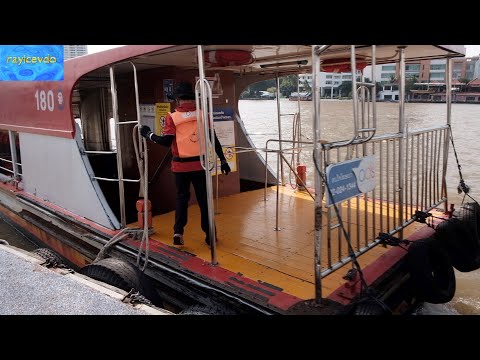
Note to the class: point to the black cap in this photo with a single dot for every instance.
(183, 91)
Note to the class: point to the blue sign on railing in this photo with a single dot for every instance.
(350, 178)
(31, 63)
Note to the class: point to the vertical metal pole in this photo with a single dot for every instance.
(381, 186)
(13, 153)
(439, 152)
(266, 173)
(448, 78)
(432, 165)
(142, 144)
(387, 162)
(279, 119)
(374, 203)
(137, 101)
(299, 121)
(417, 202)
(374, 88)
(411, 140)
(278, 192)
(427, 171)
(216, 188)
(354, 89)
(401, 130)
(422, 193)
(317, 151)
(118, 142)
(435, 169)
(208, 177)
(408, 177)
(339, 232)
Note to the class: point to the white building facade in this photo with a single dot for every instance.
(329, 82)
(71, 51)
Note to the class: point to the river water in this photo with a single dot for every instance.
(260, 119)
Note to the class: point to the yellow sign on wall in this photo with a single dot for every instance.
(161, 111)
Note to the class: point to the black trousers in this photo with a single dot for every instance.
(182, 182)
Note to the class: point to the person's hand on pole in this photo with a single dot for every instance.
(145, 131)
(225, 167)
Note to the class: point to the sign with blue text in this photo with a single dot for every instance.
(222, 113)
(350, 178)
(31, 63)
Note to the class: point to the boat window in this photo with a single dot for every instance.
(94, 118)
(6, 158)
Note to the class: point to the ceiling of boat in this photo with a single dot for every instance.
(280, 59)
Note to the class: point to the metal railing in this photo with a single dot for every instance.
(206, 134)
(120, 179)
(390, 207)
(281, 158)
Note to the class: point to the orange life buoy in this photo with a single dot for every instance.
(341, 65)
(228, 57)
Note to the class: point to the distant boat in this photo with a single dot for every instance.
(304, 96)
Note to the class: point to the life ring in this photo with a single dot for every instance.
(221, 58)
(431, 271)
(461, 238)
(342, 65)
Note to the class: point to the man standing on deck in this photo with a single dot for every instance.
(180, 132)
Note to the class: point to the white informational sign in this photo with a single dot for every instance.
(225, 130)
(350, 178)
(147, 115)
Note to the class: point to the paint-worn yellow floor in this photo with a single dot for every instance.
(248, 243)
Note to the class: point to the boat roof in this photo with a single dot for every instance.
(268, 58)
(93, 71)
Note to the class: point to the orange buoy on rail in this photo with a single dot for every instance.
(141, 210)
(302, 175)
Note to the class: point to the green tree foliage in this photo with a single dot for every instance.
(252, 91)
(410, 84)
(345, 88)
(288, 84)
(306, 86)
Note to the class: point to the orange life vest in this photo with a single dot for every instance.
(186, 133)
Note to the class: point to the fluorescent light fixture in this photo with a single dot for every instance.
(298, 62)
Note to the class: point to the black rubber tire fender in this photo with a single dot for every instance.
(49, 255)
(115, 272)
(200, 309)
(432, 275)
(461, 238)
(370, 307)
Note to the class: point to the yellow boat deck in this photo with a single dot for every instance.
(248, 243)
